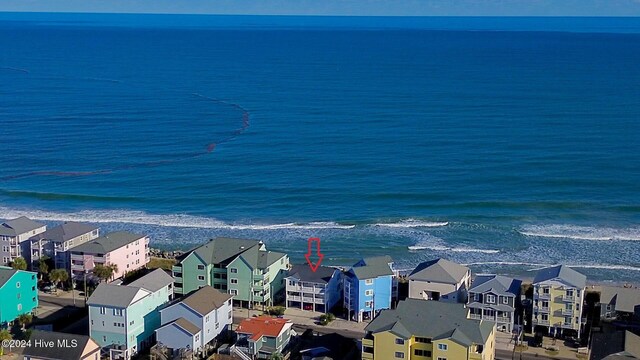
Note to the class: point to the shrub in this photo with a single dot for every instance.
(276, 311)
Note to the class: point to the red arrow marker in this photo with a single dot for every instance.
(308, 255)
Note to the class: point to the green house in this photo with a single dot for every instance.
(19, 294)
(243, 268)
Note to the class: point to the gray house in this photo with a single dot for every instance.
(14, 235)
(318, 290)
(495, 298)
(56, 242)
(620, 302)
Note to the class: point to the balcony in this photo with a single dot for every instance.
(567, 298)
(475, 316)
(541, 322)
(293, 298)
(567, 325)
(567, 312)
(542, 309)
(503, 319)
(546, 296)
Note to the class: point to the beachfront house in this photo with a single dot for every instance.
(630, 348)
(56, 242)
(19, 294)
(260, 337)
(14, 235)
(495, 298)
(123, 250)
(124, 318)
(419, 329)
(368, 287)
(67, 347)
(194, 321)
(440, 280)
(318, 290)
(558, 295)
(620, 303)
(243, 268)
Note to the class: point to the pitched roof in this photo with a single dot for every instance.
(206, 299)
(19, 226)
(262, 326)
(439, 270)
(373, 267)
(625, 299)
(221, 249)
(114, 295)
(304, 273)
(631, 348)
(108, 243)
(5, 274)
(562, 272)
(56, 352)
(153, 281)
(260, 259)
(432, 319)
(66, 231)
(497, 284)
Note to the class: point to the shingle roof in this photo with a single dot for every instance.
(19, 226)
(562, 272)
(432, 319)
(260, 259)
(206, 299)
(631, 348)
(114, 295)
(107, 243)
(373, 267)
(221, 249)
(56, 352)
(5, 274)
(304, 273)
(439, 270)
(262, 326)
(153, 281)
(66, 231)
(625, 299)
(497, 284)
(187, 325)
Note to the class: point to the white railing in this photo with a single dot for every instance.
(475, 316)
(568, 298)
(238, 351)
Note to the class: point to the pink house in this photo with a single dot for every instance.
(125, 250)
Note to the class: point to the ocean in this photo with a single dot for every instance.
(507, 144)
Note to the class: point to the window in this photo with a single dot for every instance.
(233, 270)
(491, 299)
(441, 358)
(443, 347)
(368, 304)
(201, 277)
(233, 292)
(425, 353)
(399, 341)
(234, 281)
(399, 355)
(103, 310)
(505, 300)
(368, 293)
(19, 307)
(200, 267)
(18, 296)
(18, 284)
(369, 282)
(104, 338)
(423, 340)
(117, 312)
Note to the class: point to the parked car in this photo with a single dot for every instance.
(537, 339)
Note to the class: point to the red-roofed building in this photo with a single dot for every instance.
(263, 335)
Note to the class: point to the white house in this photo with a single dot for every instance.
(440, 280)
(196, 320)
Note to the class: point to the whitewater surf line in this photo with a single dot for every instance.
(208, 148)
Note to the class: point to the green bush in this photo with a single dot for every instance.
(276, 311)
(325, 319)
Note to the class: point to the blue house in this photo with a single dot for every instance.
(369, 287)
(18, 293)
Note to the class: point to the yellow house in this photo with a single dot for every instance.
(426, 330)
(558, 295)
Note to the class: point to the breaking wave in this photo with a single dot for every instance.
(452, 249)
(412, 223)
(581, 232)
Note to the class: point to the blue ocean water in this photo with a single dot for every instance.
(504, 143)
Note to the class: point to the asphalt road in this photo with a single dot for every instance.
(509, 355)
(59, 301)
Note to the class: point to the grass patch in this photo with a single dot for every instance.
(521, 348)
(160, 263)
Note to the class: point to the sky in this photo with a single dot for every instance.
(338, 7)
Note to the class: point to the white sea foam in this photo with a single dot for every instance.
(176, 220)
(536, 266)
(581, 232)
(452, 249)
(412, 223)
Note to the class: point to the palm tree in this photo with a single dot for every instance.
(4, 335)
(276, 356)
(24, 320)
(103, 272)
(114, 270)
(19, 264)
(57, 276)
(43, 267)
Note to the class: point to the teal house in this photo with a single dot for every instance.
(19, 294)
(240, 267)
